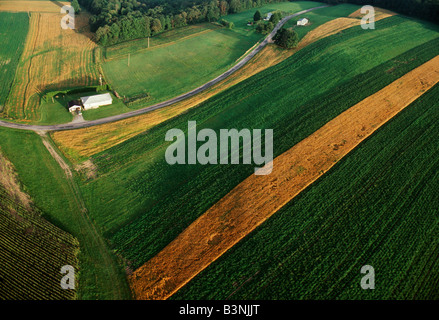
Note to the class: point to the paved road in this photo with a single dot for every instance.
(86, 124)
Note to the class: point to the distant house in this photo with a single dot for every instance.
(268, 16)
(94, 102)
(75, 105)
(302, 22)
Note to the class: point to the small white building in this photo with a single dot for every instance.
(75, 106)
(302, 22)
(268, 16)
(94, 102)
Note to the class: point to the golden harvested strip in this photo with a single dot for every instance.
(53, 58)
(258, 197)
(89, 141)
(379, 12)
(32, 6)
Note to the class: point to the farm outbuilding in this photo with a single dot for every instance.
(268, 16)
(302, 22)
(94, 102)
(74, 105)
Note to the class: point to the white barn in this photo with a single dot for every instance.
(94, 102)
(268, 16)
(302, 22)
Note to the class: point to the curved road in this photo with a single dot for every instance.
(86, 124)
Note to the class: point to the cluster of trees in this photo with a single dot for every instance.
(115, 21)
(76, 6)
(286, 38)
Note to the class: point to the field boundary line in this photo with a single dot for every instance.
(257, 198)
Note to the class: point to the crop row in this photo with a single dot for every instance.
(32, 252)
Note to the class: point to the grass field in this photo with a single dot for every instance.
(121, 50)
(53, 58)
(379, 208)
(32, 251)
(134, 180)
(257, 198)
(187, 63)
(13, 40)
(100, 277)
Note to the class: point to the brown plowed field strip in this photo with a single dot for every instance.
(258, 197)
(32, 6)
(110, 134)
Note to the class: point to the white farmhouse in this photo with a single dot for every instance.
(302, 22)
(268, 16)
(94, 102)
(75, 106)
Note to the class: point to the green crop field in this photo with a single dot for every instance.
(32, 253)
(137, 198)
(321, 16)
(377, 206)
(100, 277)
(13, 31)
(169, 70)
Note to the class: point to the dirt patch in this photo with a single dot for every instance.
(258, 197)
(88, 169)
